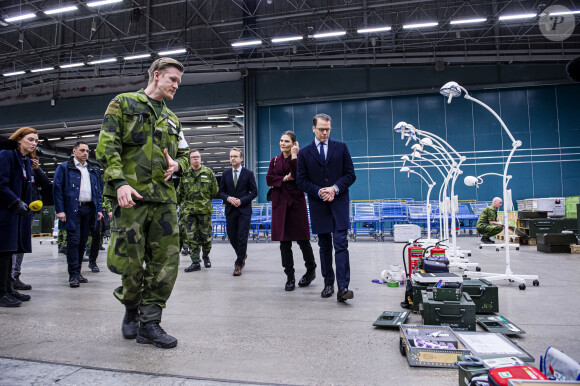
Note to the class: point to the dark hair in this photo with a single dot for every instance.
(324, 117)
(193, 151)
(78, 143)
(291, 134)
(21, 133)
(162, 63)
(239, 151)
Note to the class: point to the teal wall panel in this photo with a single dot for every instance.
(544, 118)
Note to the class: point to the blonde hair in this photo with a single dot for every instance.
(23, 132)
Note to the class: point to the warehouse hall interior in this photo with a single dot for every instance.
(336, 192)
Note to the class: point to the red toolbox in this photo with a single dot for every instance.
(500, 376)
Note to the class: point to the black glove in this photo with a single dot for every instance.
(8, 144)
(20, 207)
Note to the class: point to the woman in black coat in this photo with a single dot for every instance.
(15, 216)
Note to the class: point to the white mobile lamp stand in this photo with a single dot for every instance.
(431, 185)
(450, 90)
(476, 181)
(441, 146)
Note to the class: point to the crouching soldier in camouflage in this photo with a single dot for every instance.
(140, 146)
(198, 185)
(487, 224)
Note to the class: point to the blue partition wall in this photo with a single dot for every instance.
(545, 119)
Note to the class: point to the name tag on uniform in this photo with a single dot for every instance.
(204, 176)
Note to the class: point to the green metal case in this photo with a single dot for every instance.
(483, 293)
(459, 315)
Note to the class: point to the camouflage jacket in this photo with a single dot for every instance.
(131, 147)
(488, 214)
(195, 191)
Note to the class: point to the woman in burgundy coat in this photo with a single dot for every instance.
(289, 213)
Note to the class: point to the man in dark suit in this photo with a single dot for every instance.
(237, 190)
(325, 172)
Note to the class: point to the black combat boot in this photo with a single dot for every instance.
(130, 326)
(8, 301)
(152, 333)
(19, 285)
(17, 295)
(290, 283)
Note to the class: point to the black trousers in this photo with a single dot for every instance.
(95, 242)
(5, 271)
(288, 257)
(238, 225)
(76, 239)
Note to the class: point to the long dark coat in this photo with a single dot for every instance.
(313, 174)
(289, 213)
(15, 182)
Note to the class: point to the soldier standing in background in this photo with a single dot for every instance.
(141, 146)
(198, 185)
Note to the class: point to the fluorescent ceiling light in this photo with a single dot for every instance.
(204, 127)
(185, 128)
(206, 154)
(109, 60)
(103, 2)
(47, 163)
(195, 143)
(212, 162)
(517, 17)
(562, 13)
(133, 57)
(172, 52)
(14, 73)
(420, 25)
(213, 142)
(286, 39)
(24, 16)
(42, 69)
(369, 30)
(54, 139)
(220, 152)
(329, 34)
(225, 125)
(71, 65)
(75, 137)
(247, 43)
(234, 141)
(238, 116)
(218, 117)
(87, 136)
(61, 10)
(468, 21)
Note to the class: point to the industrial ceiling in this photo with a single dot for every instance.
(203, 35)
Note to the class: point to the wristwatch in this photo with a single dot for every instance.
(335, 189)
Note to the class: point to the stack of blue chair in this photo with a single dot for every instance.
(392, 213)
(365, 219)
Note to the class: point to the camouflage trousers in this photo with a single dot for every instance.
(144, 250)
(61, 239)
(489, 230)
(195, 231)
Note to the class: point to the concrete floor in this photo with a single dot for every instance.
(249, 330)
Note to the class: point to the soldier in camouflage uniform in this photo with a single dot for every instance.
(487, 224)
(141, 146)
(198, 185)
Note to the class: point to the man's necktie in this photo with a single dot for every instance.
(322, 158)
(235, 178)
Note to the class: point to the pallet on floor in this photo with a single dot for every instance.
(42, 235)
(516, 239)
(575, 249)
